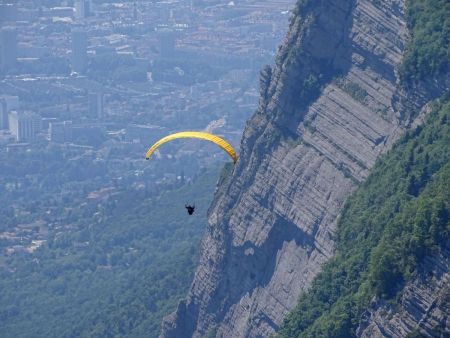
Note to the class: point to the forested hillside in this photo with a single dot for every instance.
(115, 276)
(428, 52)
(396, 218)
(401, 214)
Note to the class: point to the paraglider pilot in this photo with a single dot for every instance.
(190, 209)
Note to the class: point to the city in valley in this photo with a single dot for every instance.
(87, 86)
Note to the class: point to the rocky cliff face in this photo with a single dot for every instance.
(303, 152)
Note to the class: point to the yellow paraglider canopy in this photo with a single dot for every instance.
(195, 134)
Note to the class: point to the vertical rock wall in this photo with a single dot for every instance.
(303, 152)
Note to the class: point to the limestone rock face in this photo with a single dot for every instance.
(273, 220)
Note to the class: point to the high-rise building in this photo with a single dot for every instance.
(135, 11)
(79, 51)
(8, 48)
(8, 11)
(7, 103)
(95, 105)
(24, 126)
(60, 131)
(82, 9)
(3, 116)
(166, 39)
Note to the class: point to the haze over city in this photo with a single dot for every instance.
(96, 82)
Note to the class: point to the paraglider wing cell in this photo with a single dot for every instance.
(195, 134)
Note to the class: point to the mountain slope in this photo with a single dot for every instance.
(393, 235)
(411, 264)
(113, 275)
(328, 109)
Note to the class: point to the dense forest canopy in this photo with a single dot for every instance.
(118, 275)
(428, 52)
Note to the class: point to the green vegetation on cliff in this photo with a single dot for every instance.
(428, 52)
(399, 215)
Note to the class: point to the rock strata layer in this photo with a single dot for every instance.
(272, 222)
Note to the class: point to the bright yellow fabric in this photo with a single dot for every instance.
(195, 134)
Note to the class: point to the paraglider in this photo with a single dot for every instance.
(195, 134)
(199, 135)
(190, 209)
